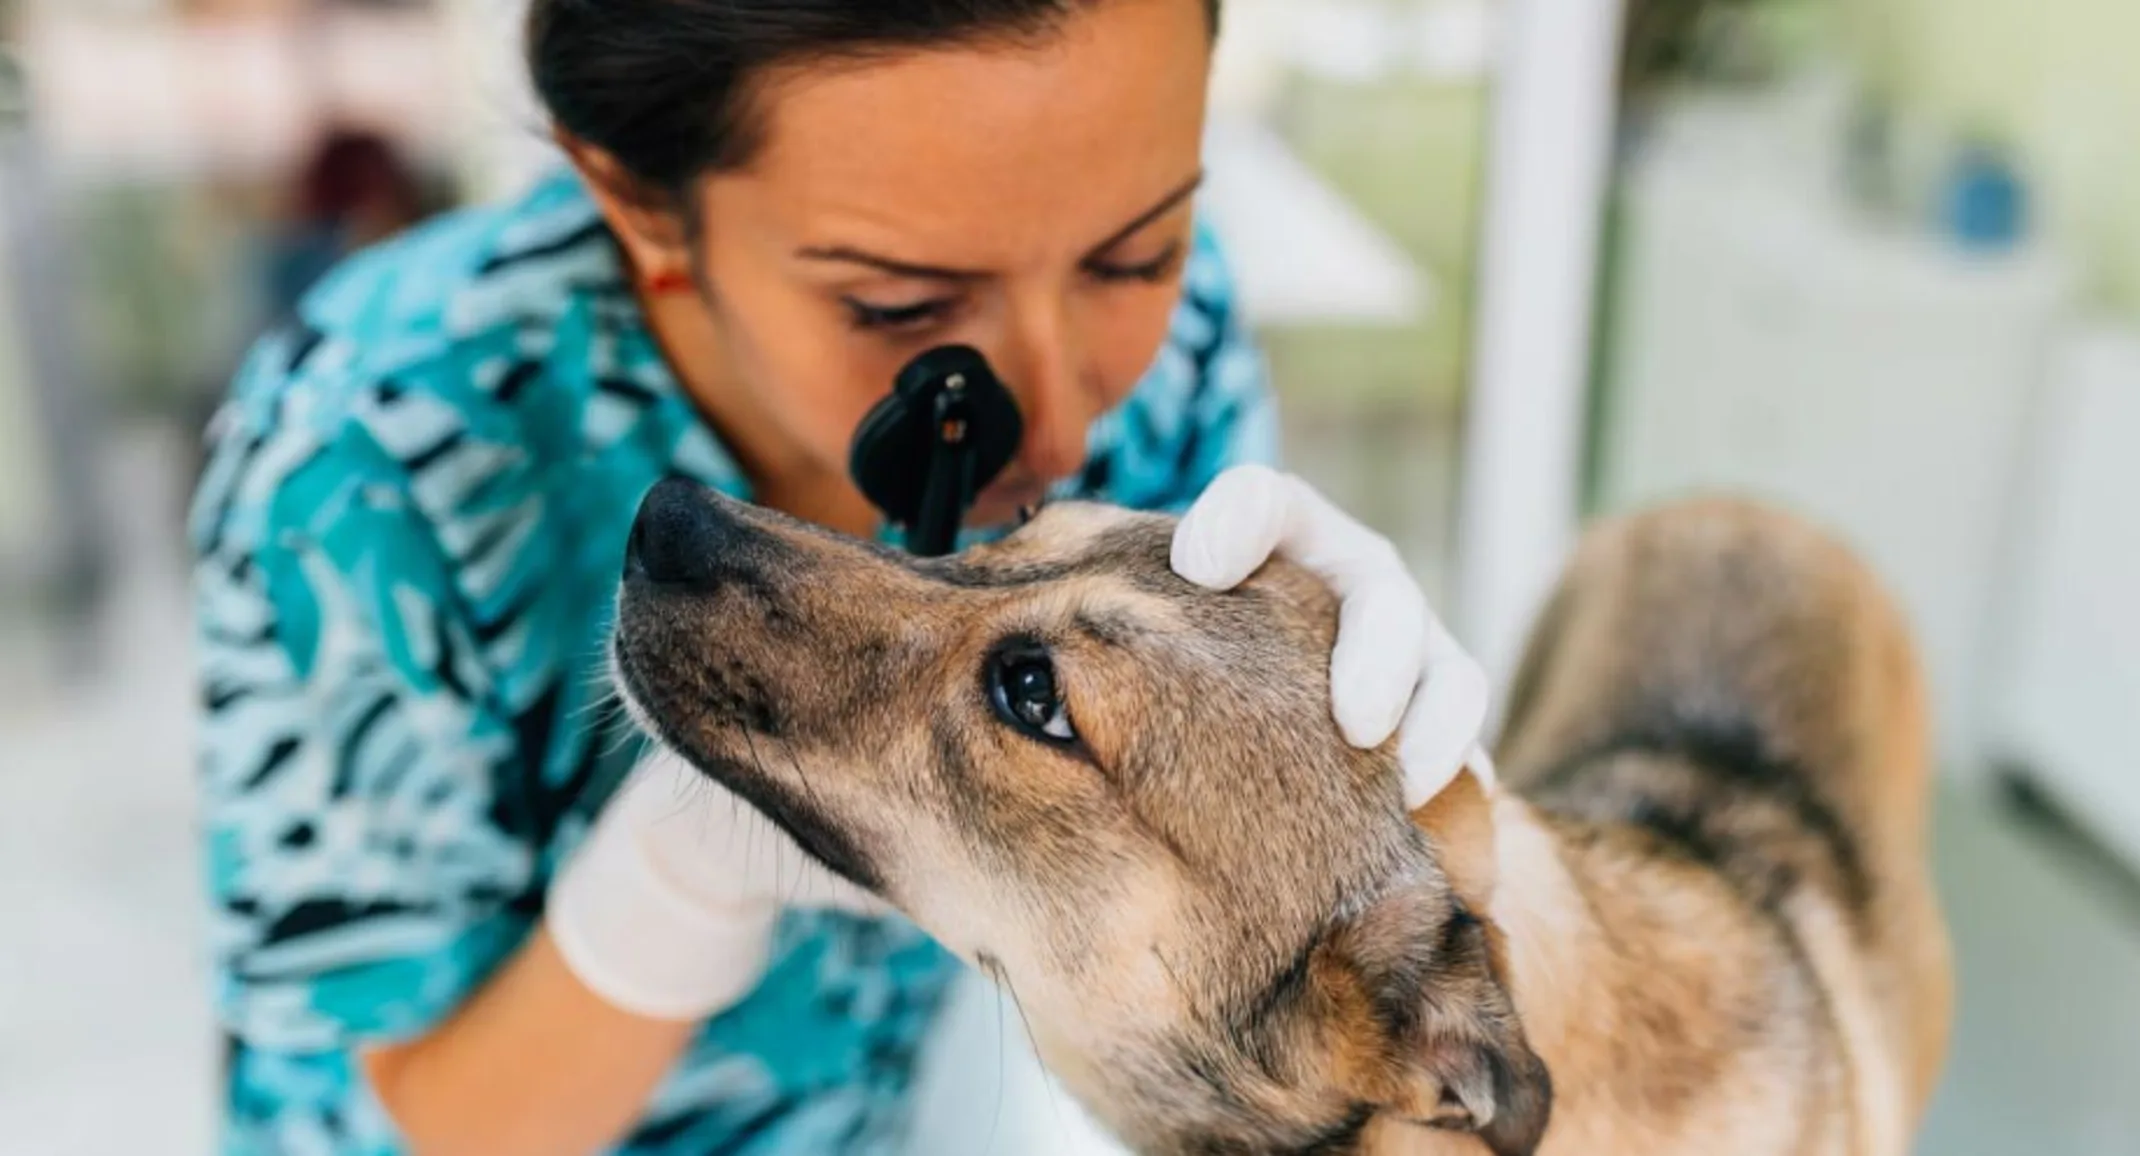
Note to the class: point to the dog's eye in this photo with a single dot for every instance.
(1023, 689)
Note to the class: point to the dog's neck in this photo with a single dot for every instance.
(1586, 969)
(1552, 951)
(1550, 930)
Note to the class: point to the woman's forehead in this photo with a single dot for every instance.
(1077, 131)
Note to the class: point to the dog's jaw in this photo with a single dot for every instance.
(818, 837)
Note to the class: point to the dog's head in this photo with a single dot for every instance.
(1122, 796)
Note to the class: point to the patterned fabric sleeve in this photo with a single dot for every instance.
(362, 865)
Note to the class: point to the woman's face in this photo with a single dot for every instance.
(1031, 200)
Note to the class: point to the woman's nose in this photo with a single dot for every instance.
(1058, 397)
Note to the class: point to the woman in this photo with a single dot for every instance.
(409, 537)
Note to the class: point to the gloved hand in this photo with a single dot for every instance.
(1396, 669)
(667, 910)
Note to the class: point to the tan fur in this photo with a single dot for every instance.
(1697, 922)
(1779, 621)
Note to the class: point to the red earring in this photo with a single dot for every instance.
(668, 282)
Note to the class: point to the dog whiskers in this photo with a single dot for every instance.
(622, 738)
(603, 698)
(757, 760)
(802, 777)
(619, 729)
(750, 743)
(993, 968)
(1002, 1065)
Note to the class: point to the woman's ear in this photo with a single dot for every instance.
(650, 223)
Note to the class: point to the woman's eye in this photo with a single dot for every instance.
(1025, 694)
(1153, 271)
(863, 315)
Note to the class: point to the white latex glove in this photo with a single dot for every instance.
(667, 910)
(1396, 669)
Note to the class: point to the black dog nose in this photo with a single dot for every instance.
(681, 536)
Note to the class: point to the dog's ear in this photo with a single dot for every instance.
(1492, 1086)
(1446, 1048)
(1459, 824)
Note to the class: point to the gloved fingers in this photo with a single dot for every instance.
(1233, 528)
(1396, 668)
(713, 845)
(1382, 654)
(1250, 513)
(1481, 763)
(661, 790)
(1440, 733)
(773, 864)
(1335, 546)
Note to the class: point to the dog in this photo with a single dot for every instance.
(1695, 918)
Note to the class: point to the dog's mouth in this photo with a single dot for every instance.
(788, 806)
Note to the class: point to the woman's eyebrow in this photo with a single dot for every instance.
(1166, 205)
(848, 255)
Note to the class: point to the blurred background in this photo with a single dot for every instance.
(1517, 263)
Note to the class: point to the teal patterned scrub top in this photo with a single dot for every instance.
(407, 541)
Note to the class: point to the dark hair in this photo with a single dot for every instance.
(665, 86)
(351, 168)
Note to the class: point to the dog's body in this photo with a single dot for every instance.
(1699, 922)
(1714, 873)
